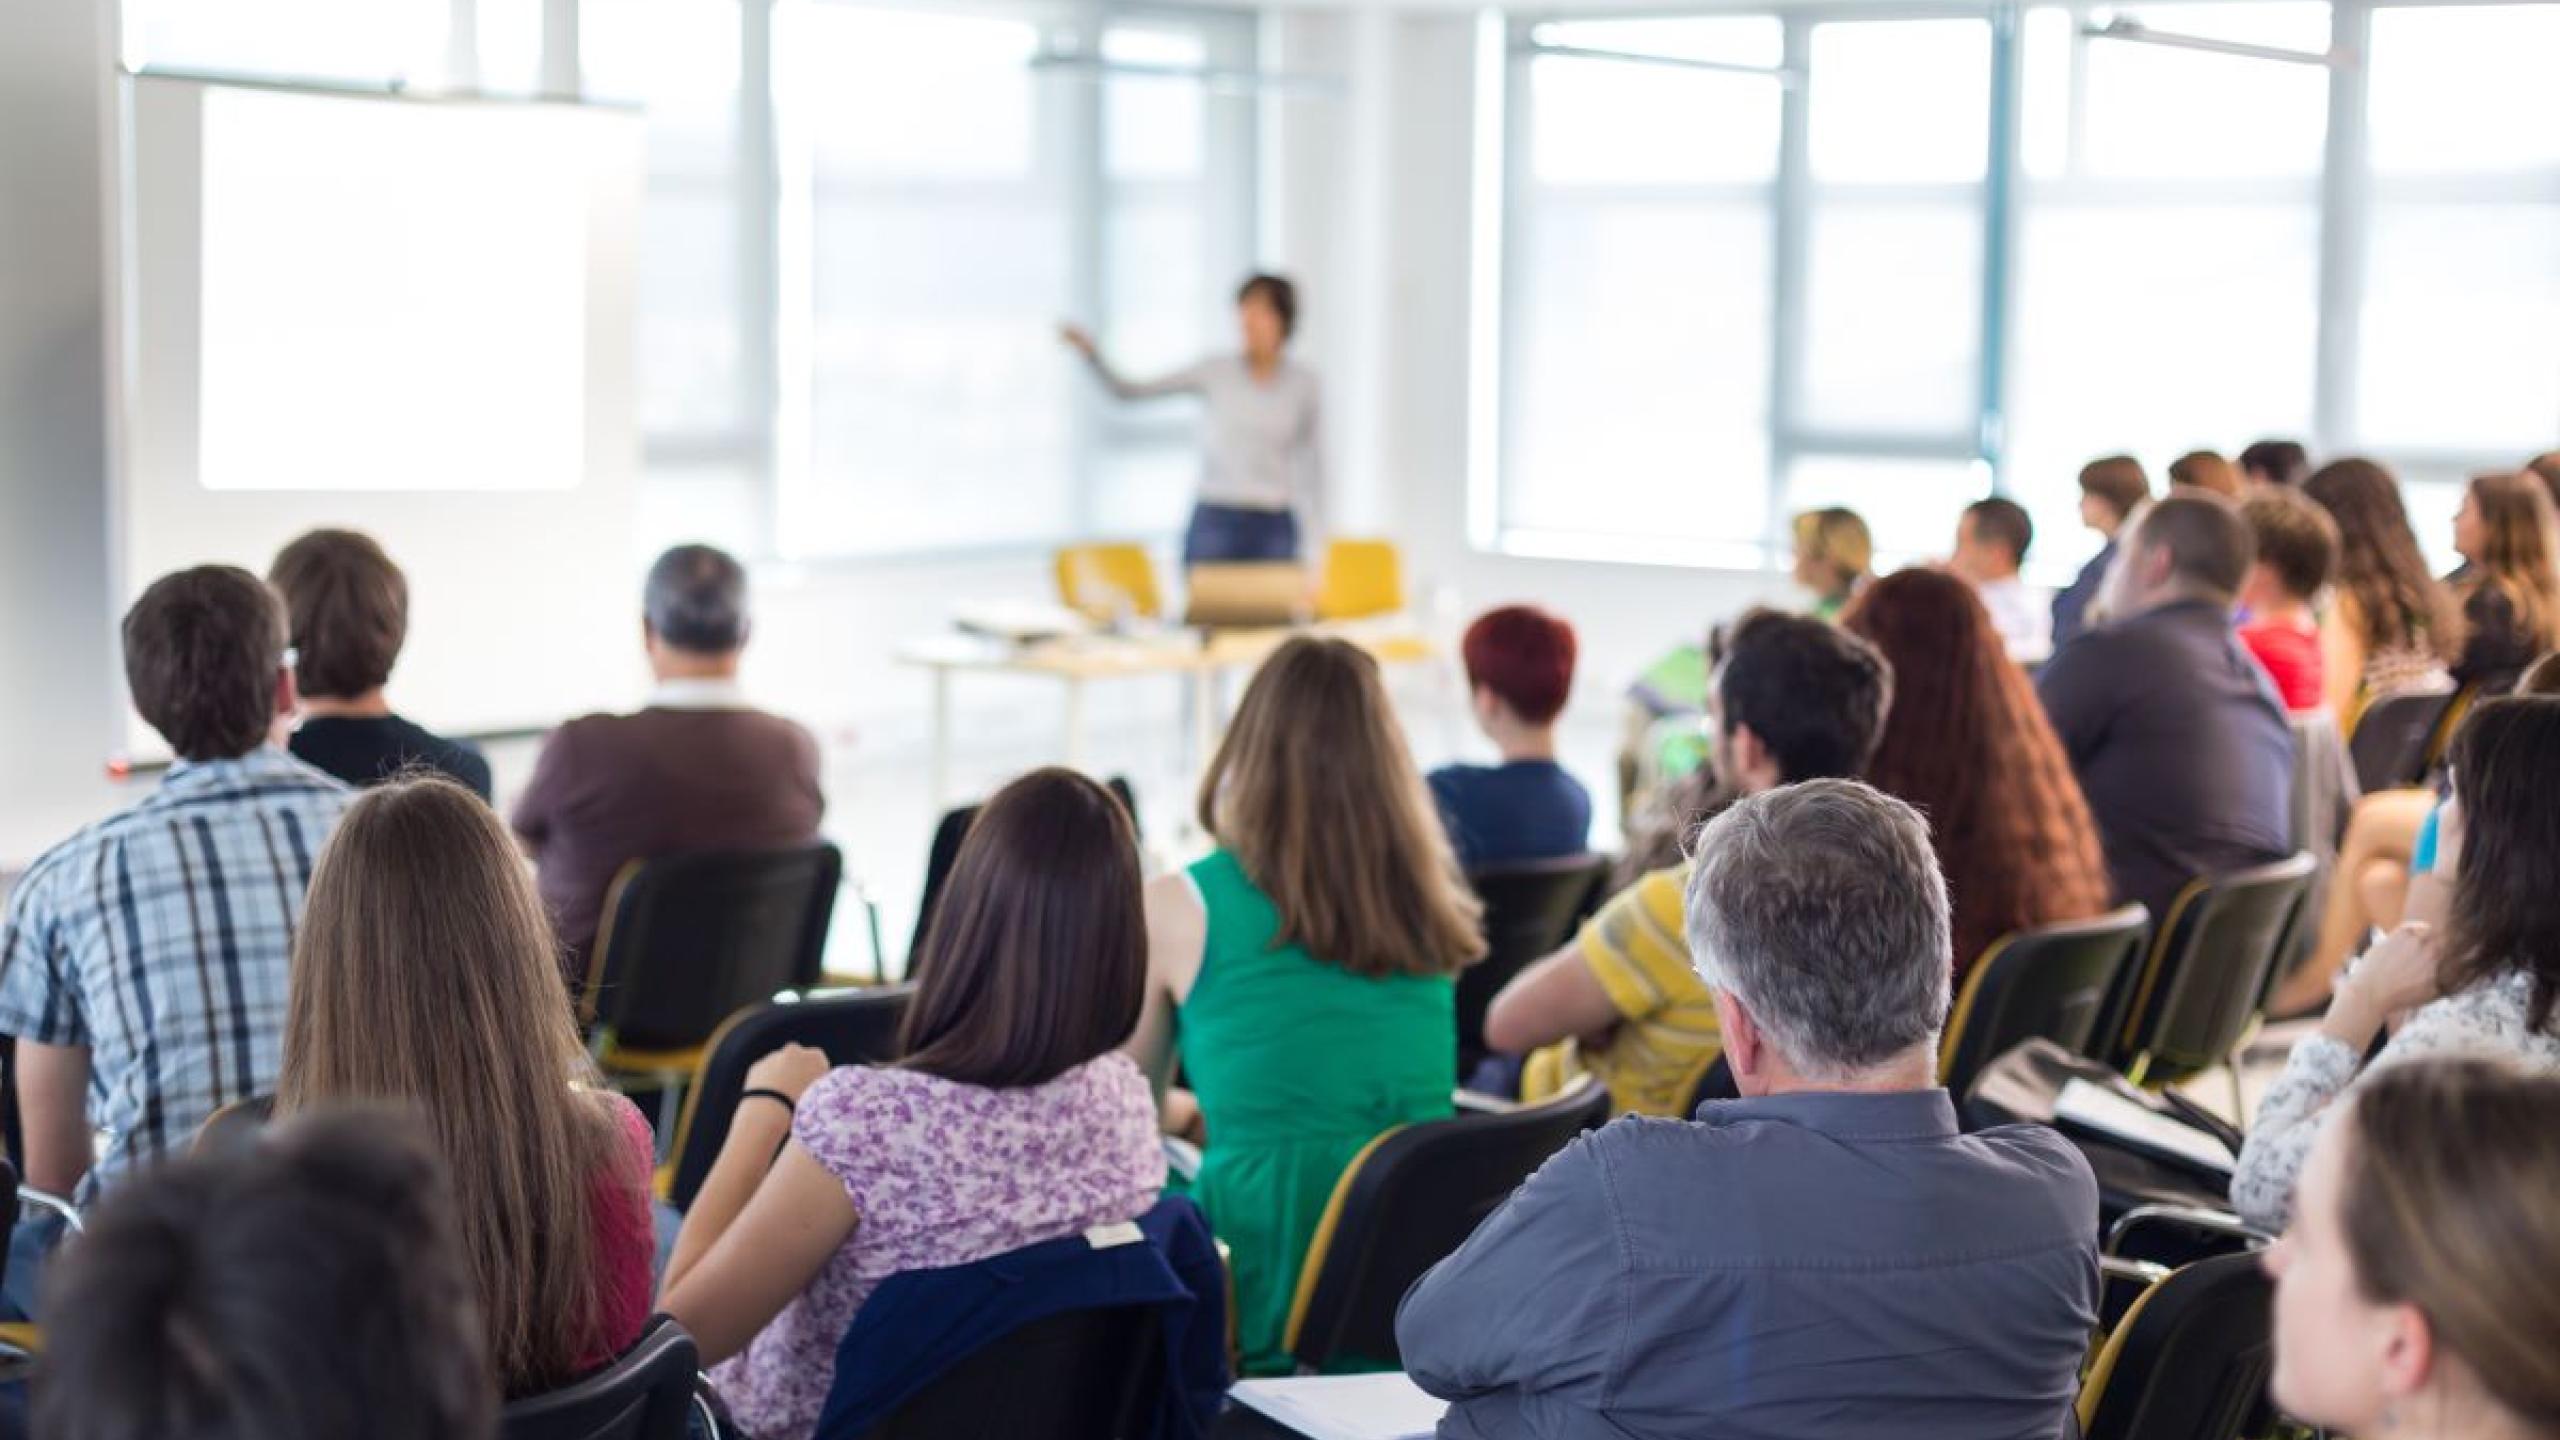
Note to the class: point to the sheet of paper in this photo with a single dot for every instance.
(1346, 1407)
(2093, 1107)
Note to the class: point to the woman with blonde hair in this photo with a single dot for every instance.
(424, 975)
(2413, 1292)
(1302, 971)
(1835, 557)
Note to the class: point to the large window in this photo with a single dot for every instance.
(1930, 252)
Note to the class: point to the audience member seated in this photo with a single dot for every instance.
(1519, 671)
(347, 609)
(697, 769)
(310, 1287)
(2177, 736)
(1991, 542)
(424, 976)
(1795, 699)
(2546, 468)
(2509, 538)
(143, 962)
(2413, 1293)
(1834, 558)
(2391, 627)
(1301, 973)
(2111, 489)
(2297, 549)
(2279, 463)
(1012, 1120)
(1828, 1255)
(2487, 979)
(1966, 744)
(2206, 470)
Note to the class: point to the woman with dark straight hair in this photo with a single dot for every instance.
(2414, 1292)
(1966, 742)
(2487, 979)
(424, 974)
(1302, 972)
(1013, 1118)
(2391, 627)
(2508, 535)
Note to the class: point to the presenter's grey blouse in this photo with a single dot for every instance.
(1264, 447)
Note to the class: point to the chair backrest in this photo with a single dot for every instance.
(1404, 1204)
(645, 1395)
(2051, 982)
(2392, 737)
(1529, 910)
(1109, 580)
(1361, 577)
(850, 1027)
(952, 829)
(1716, 1082)
(1077, 1375)
(689, 940)
(2211, 964)
(2190, 1361)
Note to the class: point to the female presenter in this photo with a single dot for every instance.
(1262, 470)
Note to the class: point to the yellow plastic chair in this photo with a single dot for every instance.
(1108, 580)
(1361, 578)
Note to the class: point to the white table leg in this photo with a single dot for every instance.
(1075, 722)
(941, 765)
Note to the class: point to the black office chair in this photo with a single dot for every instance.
(2189, 1361)
(948, 832)
(1403, 1204)
(648, 1394)
(688, 941)
(1079, 1375)
(2211, 966)
(850, 1027)
(1714, 1083)
(2395, 737)
(2052, 981)
(1529, 910)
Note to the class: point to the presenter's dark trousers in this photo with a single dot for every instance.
(1228, 534)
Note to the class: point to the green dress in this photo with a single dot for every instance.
(1298, 1065)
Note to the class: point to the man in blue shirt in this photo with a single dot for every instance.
(1519, 670)
(143, 961)
(1826, 1256)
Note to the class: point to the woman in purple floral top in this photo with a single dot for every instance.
(1013, 1119)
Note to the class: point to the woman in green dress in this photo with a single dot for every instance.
(1302, 971)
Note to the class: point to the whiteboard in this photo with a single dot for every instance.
(410, 317)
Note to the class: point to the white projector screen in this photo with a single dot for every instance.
(409, 317)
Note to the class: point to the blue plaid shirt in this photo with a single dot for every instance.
(161, 939)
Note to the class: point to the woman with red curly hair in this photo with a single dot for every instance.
(1966, 743)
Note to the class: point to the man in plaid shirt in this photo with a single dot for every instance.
(143, 961)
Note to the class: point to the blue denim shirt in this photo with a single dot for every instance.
(1801, 1265)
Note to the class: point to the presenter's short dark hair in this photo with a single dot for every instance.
(347, 607)
(307, 1287)
(1277, 291)
(201, 651)
(697, 600)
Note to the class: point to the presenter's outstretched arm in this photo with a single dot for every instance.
(1181, 382)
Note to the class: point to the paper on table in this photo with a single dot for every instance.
(2093, 1107)
(1346, 1407)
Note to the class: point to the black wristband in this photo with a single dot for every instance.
(761, 1092)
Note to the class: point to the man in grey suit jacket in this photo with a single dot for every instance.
(1826, 1256)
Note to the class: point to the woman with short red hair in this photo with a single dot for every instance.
(1519, 673)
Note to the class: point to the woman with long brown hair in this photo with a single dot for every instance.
(2392, 626)
(1966, 742)
(1013, 1118)
(2486, 979)
(424, 975)
(1302, 971)
(2509, 538)
(2413, 1292)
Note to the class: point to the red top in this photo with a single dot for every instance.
(626, 1241)
(2291, 658)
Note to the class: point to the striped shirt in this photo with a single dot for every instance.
(1637, 948)
(160, 939)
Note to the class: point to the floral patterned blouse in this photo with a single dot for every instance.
(943, 1173)
(2489, 1018)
